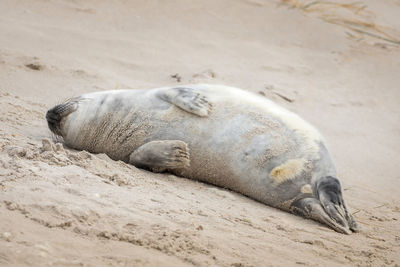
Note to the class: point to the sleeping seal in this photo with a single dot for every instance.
(237, 140)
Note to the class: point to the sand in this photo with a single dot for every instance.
(336, 64)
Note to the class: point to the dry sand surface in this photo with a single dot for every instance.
(335, 63)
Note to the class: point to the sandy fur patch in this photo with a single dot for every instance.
(288, 170)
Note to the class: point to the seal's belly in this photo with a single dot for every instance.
(233, 150)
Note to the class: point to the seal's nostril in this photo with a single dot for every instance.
(53, 117)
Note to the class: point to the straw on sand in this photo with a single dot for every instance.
(352, 15)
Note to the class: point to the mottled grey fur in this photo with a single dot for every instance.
(237, 140)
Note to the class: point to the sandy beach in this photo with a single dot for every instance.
(335, 63)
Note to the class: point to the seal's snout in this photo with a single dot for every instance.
(53, 120)
(55, 115)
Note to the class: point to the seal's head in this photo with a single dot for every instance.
(55, 116)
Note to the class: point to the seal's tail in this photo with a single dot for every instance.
(327, 206)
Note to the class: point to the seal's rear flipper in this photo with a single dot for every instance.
(160, 156)
(187, 99)
(327, 206)
(311, 208)
(329, 192)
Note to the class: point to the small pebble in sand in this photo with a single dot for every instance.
(7, 236)
(34, 66)
(177, 77)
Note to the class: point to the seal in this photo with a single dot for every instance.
(216, 134)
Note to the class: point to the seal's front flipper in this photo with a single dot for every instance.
(160, 156)
(187, 99)
(311, 208)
